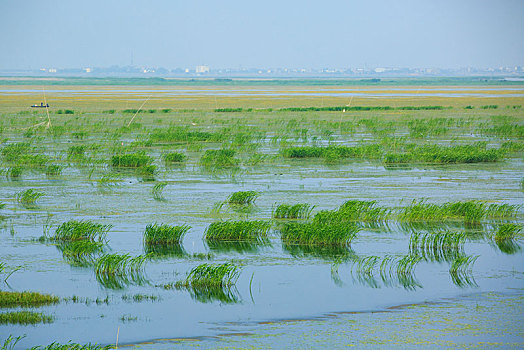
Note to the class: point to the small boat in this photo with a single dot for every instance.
(41, 105)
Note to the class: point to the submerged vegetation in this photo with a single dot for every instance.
(162, 234)
(24, 318)
(209, 282)
(314, 233)
(75, 230)
(243, 197)
(28, 197)
(293, 211)
(117, 271)
(26, 299)
(248, 231)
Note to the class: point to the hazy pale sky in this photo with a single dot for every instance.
(269, 33)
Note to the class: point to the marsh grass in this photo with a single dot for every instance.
(28, 197)
(293, 211)
(116, 271)
(210, 282)
(183, 134)
(219, 158)
(318, 234)
(232, 231)
(156, 191)
(26, 299)
(437, 154)
(24, 318)
(437, 246)
(504, 238)
(461, 271)
(75, 230)
(323, 252)
(109, 180)
(363, 211)
(333, 153)
(162, 234)
(14, 172)
(470, 212)
(241, 247)
(53, 170)
(243, 197)
(393, 270)
(10, 342)
(73, 346)
(174, 157)
(81, 253)
(132, 160)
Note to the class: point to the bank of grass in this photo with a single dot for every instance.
(24, 318)
(132, 160)
(80, 230)
(162, 234)
(206, 276)
(318, 234)
(243, 197)
(468, 211)
(28, 197)
(292, 211)
(436, 154)
(219, 158)
(247, 231)
(26, 299)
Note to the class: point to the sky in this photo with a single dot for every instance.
(269, 33)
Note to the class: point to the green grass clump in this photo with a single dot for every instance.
(249, 231)
(181, 134)
(174, 157)
(209, 282)
(75, 230)
(315, 233)
(76, 151)
(53, 170)
(161, 234)
(243, 197)
(436, 154)
(14, 151)
(504, 238)
(14, 172)
(80, 253)
(366, 151)
(461, 271)
(393, 270)
(24, 318)
(157, 191)
(26, 299)
(507, 232)
(211, 275)
(469, 211)
(293, 211)
(219, 158)
(437, 246)
(133, 160)
(65, 111)
(28, 197)
(366, 211)
(116, 271)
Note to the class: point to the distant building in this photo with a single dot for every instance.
(202, 69)
(87, 70)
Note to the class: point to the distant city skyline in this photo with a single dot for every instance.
(207, 71)
(235, 34)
